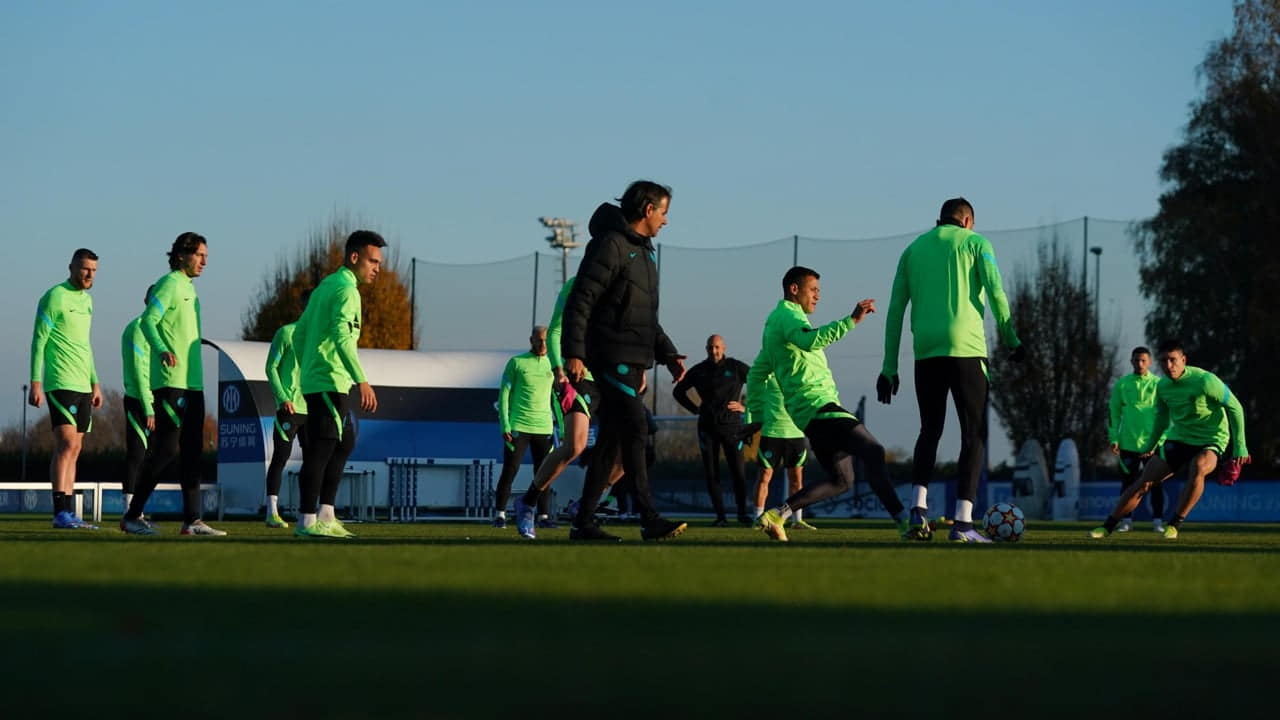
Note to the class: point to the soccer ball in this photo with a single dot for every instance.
(1005, 522)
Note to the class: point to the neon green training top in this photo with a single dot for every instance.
(326, 335)
(943, 274)
(61, 355)
(1133, 412)
(282, 369)
(1198, 409)
(791, 349)
(524, 397)
(171, 323)
(135, 359)
(555, 329)
(765, 405)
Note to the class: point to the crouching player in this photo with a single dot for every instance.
(1199, 418)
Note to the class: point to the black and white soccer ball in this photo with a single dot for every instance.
(1004, 522)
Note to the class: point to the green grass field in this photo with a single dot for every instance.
(462, 620)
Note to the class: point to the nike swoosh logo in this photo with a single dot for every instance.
(633, 254)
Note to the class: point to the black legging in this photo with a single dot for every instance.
(512, 454)
(325, 450)
(136, 440)
(966, 380)
(622, 434)
(836, 442)
(712, 439)
(284, 430)
(179, 436)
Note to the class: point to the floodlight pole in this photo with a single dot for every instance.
(564, 237)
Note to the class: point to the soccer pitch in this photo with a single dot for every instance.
(461, 620)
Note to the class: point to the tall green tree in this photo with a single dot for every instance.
(1062, 388)
(1208, 263)
(385, 303)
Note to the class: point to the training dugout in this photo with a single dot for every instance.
(436, 421)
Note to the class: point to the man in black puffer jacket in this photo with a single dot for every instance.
(611, 326)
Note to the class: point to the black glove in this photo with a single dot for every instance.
(886, 388)
(1019, 353)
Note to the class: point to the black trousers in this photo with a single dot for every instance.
(965, 379)
(136, 440)
(326, 445)
(178, 438)
(622, 433)
(512, 454)
(712, 441)
(836, 441)
(286, 427)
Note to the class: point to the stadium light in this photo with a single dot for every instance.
(563, 237)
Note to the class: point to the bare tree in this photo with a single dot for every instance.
(1062, 388)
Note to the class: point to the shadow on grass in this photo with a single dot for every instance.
(113, 650)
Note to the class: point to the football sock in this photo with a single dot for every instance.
(920, 496)
(273, 505)
(964, 511)
(784, 510)
(502, 514)
(542, 516)
(1176, 521)
(1110, 523)
(798, 516)
(128, 498)
(326, 513)
(307, 520)
(759, 511)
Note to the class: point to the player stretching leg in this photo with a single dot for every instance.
(1133, 413)
(1198, 417)
(325, 341)
(62, 370)
(792, 351)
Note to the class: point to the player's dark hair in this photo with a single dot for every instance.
(305, 297)
(639, 196)
(146, 299)
(83, 254)
(361, 239)
(954, 211)
(183, 245)
(1140, 350)
(796, 275)
(1168, 346)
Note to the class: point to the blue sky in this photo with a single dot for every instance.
(453, 126)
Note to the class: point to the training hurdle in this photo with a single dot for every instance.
(415, 483)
